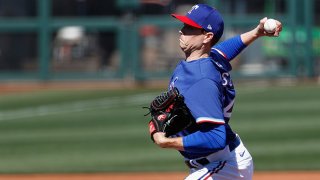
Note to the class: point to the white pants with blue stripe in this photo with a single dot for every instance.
(234, 165)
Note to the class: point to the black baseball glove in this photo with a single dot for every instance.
(169, 114)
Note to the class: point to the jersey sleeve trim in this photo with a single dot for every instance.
(220, 52)
(209, 120)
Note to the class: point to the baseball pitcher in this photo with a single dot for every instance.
(193, 115)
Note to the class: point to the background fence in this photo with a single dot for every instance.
(137, 39)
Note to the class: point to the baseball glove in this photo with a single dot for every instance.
(169, 114)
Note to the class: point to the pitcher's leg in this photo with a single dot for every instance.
(207, 171)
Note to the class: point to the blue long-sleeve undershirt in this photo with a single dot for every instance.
(208, 139)
(230, 47)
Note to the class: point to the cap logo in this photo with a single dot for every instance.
(209, 27)
(193, 8)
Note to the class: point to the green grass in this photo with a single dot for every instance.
(101, 131)
(280, 126)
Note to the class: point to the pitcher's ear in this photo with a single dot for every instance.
(208, 37)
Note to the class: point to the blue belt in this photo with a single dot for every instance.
(234, 144)
(204, 161)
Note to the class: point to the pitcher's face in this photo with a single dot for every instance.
(191, 38)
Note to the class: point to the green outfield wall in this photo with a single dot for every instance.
(139, 49)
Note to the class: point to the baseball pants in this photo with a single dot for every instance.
(236, 165)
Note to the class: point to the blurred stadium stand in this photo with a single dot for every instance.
(137, 39)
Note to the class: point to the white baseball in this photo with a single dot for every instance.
(270, 26)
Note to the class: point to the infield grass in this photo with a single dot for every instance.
(101, 131)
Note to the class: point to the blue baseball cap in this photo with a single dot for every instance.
(204, 17)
